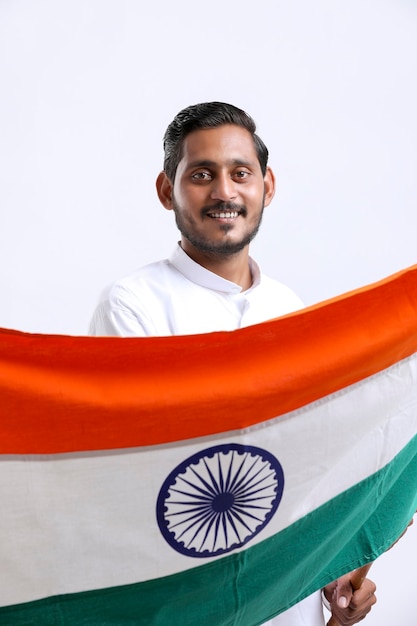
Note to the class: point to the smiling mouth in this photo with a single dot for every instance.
(224, 215)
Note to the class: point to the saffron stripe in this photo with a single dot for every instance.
(65, 394)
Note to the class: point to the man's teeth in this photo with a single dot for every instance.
(225, 214)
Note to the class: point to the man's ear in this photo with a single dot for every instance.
(269, 181)
(164, 189)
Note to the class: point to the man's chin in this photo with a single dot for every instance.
(223, 248)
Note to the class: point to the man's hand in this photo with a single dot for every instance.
(349, 606)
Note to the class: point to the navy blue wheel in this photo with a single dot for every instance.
(219, 499)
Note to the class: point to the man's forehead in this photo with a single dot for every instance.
(227, 140)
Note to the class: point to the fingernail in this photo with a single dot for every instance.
(342, 602)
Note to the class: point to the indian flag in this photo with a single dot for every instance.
(211, 479)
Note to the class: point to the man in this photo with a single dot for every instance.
(217, 182)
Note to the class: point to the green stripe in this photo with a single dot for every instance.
(247, 588)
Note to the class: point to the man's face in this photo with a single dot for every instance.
(219, 191)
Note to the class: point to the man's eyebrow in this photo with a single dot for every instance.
(202, 163)
(209, 163)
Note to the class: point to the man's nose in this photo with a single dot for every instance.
(223, 188)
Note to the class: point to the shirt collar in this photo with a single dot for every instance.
(203, 277)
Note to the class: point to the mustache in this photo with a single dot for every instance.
(224, 206)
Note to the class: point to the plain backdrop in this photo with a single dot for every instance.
(87, 88)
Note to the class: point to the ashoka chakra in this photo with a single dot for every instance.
(219, 499)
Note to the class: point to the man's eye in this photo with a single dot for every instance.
(242, 174)
(201, 176)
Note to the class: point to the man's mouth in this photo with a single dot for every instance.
(225, 211)
(224, 214)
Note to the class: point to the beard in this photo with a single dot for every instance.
(216, 248)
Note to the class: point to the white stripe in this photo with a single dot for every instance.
(77, 522)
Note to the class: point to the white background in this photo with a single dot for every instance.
(87, 88)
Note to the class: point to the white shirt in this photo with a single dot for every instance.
(180, 297)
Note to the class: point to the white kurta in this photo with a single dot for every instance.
(179, 297)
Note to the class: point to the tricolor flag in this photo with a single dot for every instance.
(211, 479)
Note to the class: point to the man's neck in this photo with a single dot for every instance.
(234, 267)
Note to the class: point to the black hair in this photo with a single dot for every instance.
(202, 116)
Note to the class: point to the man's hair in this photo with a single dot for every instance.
(203, 116)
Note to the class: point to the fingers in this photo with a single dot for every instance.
(343, 592)
(350, 607)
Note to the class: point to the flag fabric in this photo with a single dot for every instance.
(211, 479)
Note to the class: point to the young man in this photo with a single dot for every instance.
(217, 182)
